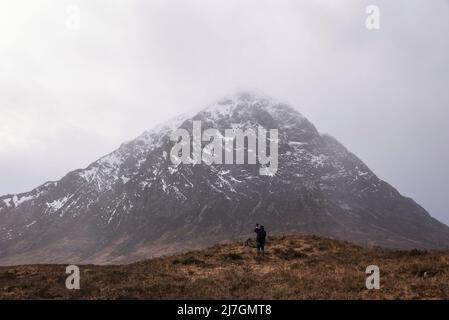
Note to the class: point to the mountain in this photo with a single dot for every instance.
(294, 267)
(134, 203)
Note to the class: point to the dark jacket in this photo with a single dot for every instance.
(261, 235)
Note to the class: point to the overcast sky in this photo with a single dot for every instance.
(69, 95)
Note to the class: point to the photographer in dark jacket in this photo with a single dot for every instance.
(260, 239)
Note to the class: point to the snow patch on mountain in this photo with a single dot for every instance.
(318, 160)
(111, 160)
(57, 204)
(7, 202)
(17, 200)
(30, 224)
(89, 173)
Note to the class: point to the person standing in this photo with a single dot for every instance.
(261, 235)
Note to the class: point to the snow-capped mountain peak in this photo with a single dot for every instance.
(134, 202)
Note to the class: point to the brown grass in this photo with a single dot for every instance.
(294, 267)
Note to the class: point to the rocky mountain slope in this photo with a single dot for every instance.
(134, 203)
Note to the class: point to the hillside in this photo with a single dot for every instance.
(295, 267)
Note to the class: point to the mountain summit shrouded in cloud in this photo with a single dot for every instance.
(134, 203)
(128, 65)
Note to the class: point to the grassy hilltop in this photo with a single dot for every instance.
(294, 267)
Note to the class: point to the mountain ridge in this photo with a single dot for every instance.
(133, 203)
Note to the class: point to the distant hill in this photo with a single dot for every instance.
(295, 267)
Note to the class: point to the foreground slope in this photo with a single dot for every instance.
(295, 267)
(134, 203)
